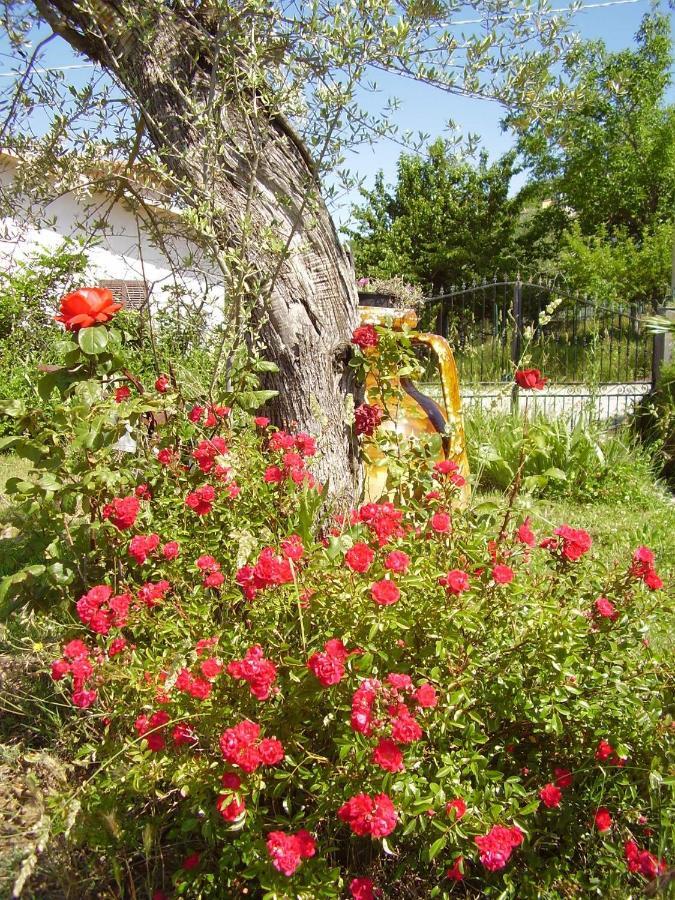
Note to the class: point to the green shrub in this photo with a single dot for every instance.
(654, 422)
(202, 582)
(29, 295)
(585, 462)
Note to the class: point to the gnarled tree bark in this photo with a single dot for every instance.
(307, 319)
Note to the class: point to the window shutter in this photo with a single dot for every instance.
(134, 294)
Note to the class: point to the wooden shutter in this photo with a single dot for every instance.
(134, 294)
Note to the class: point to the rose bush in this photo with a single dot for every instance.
(267, 696)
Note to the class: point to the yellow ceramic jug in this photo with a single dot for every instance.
(416, 413)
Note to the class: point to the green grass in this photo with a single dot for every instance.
(11, 467)
(13, 549)
(617, 529)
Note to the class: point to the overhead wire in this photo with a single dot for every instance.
(562, 9)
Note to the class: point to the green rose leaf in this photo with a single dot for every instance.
(92, 341)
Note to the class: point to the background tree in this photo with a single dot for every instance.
(233, 109)
(607, 169)
(444, 221)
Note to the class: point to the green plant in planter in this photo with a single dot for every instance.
(403, 294)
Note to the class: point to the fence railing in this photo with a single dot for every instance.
(571, 338)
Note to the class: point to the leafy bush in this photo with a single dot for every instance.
(654, 422)
(617, 268)
(28, 337)
(264, 697)
(583, 461)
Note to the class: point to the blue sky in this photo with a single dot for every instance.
(423, 108)
(426, 109)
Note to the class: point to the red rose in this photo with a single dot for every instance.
(231, 780)
(404, 728)
(365, 336)
(367, 418)
(191, 862)
(122, 393)
(604, 751)
(456, 582)
(530, 379)
(305, 444)
(456, 808)
(201, 500)
(400, 681)
(261, 421)
(60, 668)
(603, 819)
(142, 546)
(650, 865)
(271, 751)
(445, 467)
(183, 735)
(388, 756)
(385, 592)
(574, 542)
(260, 673)
(211, 668)
(281, 440)
(288, 850)
(84, 699)
(441, 522)
(632, 854)
(170, 550)
(563, 777)
(456, 873)
(397, 561)
(496, 846)
(213, 580)
(361, 889)
(525, 534)
(122, 511)
(229, 807)
(426, 696)
(606, 609)
(162, 384)
(652, 580)
(359, 557)
(643, 562)
(87, 307)
(502, 574)
(273, 475)
(165, 456)
(292, 547)
(326, 668)
(365, 815)
(550, 796)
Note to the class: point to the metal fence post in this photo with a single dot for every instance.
(662, 344)
(442, 315)
(658, 350)
(517, 342)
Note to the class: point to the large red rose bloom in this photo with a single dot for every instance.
(87, 307)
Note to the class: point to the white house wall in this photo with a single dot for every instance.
(118, 252)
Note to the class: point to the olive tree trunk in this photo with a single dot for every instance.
(258, 188)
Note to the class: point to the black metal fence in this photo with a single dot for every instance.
(574, 339)
(580, 344)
